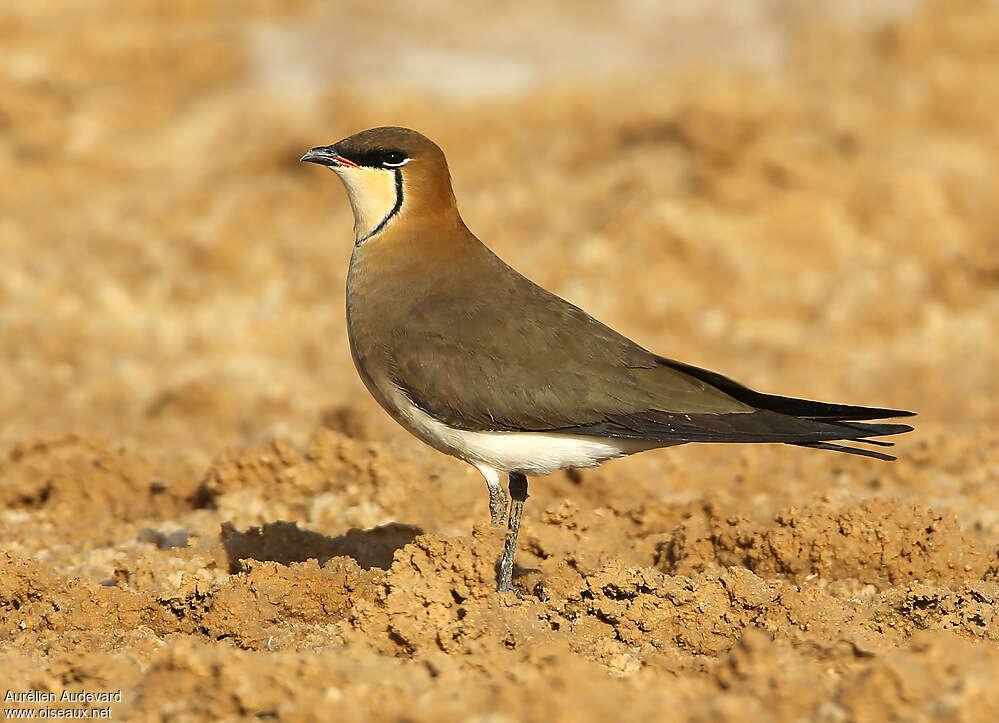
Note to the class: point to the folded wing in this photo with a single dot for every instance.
(523, 359)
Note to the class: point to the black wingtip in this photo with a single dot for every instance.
(893, 413)
(792, 406)
(847, 450)
(836, 412)
(873, 430)
(876, 442)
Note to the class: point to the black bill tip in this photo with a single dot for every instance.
(327, 156)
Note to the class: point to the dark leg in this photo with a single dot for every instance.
(498, 504)
(498, 501)
(518, 493)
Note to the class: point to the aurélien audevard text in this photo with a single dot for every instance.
(66, 696)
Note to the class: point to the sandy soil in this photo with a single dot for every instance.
(201, 506)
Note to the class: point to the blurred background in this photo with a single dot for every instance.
(799, 195)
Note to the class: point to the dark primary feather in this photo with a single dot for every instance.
(847, 450)
(759, 426)
(877, 442)
(784, 405)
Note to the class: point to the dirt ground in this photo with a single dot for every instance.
(201, 507)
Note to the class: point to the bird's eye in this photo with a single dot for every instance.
(394, 159)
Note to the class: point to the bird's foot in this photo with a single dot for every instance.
(510, 588)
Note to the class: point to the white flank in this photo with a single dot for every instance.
(533, 453)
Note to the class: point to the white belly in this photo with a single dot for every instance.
(533, 453)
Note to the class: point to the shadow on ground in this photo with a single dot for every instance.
(285, 543)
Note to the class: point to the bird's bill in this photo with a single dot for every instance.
(327, 156)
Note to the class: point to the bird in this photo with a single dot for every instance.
(480, 363)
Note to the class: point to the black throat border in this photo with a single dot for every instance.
(388, 217)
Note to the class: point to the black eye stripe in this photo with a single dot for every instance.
(376, 157)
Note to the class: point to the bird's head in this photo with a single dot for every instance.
(390, 173)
